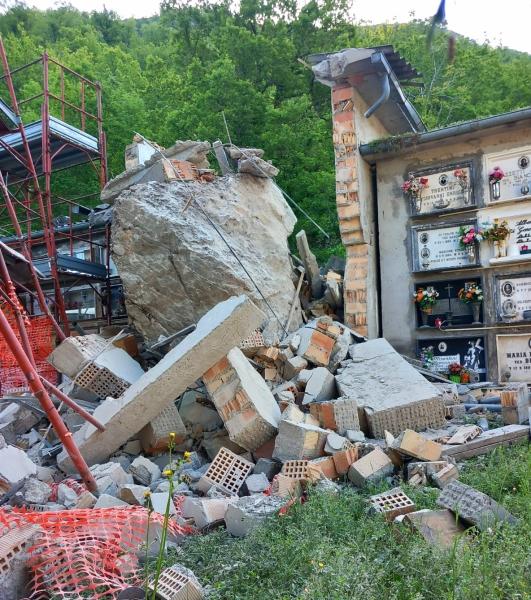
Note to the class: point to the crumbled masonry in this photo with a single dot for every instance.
(231, 422)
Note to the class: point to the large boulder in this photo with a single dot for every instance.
(174, 265)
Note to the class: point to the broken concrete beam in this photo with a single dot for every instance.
(237, 153)
(227, 472)
(155, 436)
(205, 511)
(74, 352)
(487, 441)
(299, 441)
(370, 468)
(217, 332)
(340, 415)
(243, 400)
(393, 395)
(310, 263)
(437, 527)
(320, 386)
(413, 444)
(473, 506)
(392, 503)
(253, 165)
(247, 513)
(108, 501)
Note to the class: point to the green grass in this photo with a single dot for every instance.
(330, 548)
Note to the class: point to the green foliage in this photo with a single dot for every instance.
(170, 77)
(330, 547)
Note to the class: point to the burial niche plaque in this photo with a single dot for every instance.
(467, 351)
(438, 248)
(447, 189)
(514, 298)
(516, 166)
(514, 356)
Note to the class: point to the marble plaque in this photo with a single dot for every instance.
(445, 191)
(516, 166)
(439, 248)
(514, 298)
(514, 356)
(468, 351)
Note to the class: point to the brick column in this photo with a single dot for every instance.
(348, 208)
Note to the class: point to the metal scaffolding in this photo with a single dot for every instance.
(31, 155)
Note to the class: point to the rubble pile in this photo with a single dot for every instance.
(235, 422)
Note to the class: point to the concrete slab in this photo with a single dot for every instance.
(221, 329)
(392, 394)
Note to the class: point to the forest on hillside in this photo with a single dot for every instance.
(173, 76)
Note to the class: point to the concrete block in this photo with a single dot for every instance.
(443, 476)
(473, 506)
(437, 527)
(293, 366)
(336, 443)
(107, 501)
(20, 418)
(257, 483)
(214, 441)
(36, 492)
(155, 436)
(268, 467)
(354, 436)
(194, 413)
(340, 415)
(227, 472)
(14, 556)
(113, 470)
(217, 332)
(243, 400)
(74, 352)
(15, 465)
(286, 487)
(413, 444)
(247, 513)
(66, 496)
(133, 447)
(392, 503)
(317, 340)
(391, 392)
(144, 471)
(370, 468)
(133, 494)
(293, 413)
(205, 511)
(159, 502)
(298, 441)
(321, 386)
(86, 500)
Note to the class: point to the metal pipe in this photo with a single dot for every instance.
(39, 391)
(70, 403)
(384, 96)
(474, 408)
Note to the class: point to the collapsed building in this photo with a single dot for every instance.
(220, 380)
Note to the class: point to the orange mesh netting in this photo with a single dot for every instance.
(41, 337)
(92, 553)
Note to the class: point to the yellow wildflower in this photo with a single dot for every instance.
(187, 455)
(147, 494)
(172, 435)
(321, 565)
(168, 472)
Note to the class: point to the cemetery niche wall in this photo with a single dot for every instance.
(513, 298)
(514, 357)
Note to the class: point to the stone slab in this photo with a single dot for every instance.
(221, 329)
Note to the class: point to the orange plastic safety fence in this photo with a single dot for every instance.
(92, 553)
(41, 338)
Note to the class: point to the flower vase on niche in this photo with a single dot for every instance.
(476, 308)
(425, 313)
(495, 177)
(500, 248)
(471, 252)
(468, 237)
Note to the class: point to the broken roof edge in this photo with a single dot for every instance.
(366, 70)
(395, 145)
